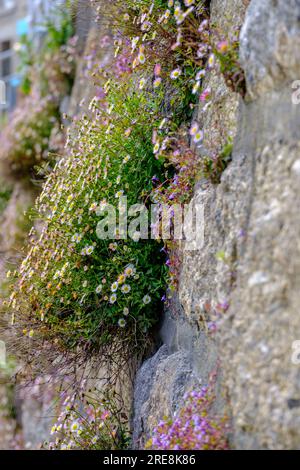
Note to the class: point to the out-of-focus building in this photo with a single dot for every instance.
(18, 18)
(11, 12)
(38, 12)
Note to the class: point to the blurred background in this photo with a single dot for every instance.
(34, 35)
(20, 19)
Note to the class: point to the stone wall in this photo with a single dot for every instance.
(235, 315)
(245, 279)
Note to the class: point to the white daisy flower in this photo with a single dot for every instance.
(126, 288)
(126, 159)
(98, 289)
(122, 323)
(53, 430)
(211, 60)
(75, 426)
(114, 287)
(89, 250)
(157, 82)
(156, 147)
(129, 270)
(198, 137)
(175, 74)
(200, 74)
(141, 58)
(194, 129)
(146, 299)
(196, 88)
(93, 207)
(142, 83)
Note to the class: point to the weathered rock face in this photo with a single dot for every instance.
(270, 45)
(252, 219)
(184, 362)
(263, 320)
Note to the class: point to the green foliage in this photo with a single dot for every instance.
(227, 53)
(5, 194)
(31, 61)
(90, 423)
(213, 167)
(72, 287)
(47, 78)
(60, 31)
(25, 140)
(83, 288)
(26, 62)
(8, 408)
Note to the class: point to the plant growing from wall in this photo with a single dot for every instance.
(74, 289)
(48, 76)
(84, 294)
(82, 290)
(194, 426)
(90, 423)
(226, 50)
(56, 47)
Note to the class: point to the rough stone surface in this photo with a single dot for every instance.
(183, 362)
(250, 260)
(270, 44)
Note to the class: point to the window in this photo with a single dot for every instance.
(5, 46)
(6, 57)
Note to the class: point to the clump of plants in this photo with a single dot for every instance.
(74, 287)
(194, 427)
(214, 166)
(47, 78)
(83, 292)
(5, 194)
(77, 287)
(54, 61)
(227, 53)
(90, 423)
(25, 140)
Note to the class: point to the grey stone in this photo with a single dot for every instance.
(253, 217)
(270, 44)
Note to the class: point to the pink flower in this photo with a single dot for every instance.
(205, 95)
(157, 70)
(222, 46)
